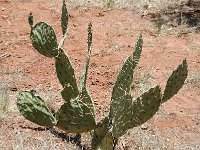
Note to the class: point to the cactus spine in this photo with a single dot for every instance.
(77, 114)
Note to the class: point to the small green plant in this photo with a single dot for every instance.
(109, 3)
(159, 24)
(77, 114)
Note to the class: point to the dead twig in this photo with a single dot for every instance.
(5, 55)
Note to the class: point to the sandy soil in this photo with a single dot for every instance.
(114, 36)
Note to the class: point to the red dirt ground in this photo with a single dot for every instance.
(114, 35)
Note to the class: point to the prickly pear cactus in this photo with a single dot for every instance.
(99, 133)
(85, 68)
(124, 112)
(77, 114)
(33, 108)
(124, 80)
(175, 81)
(108, 142)
(127, 112)
(66, 76)
(76, 117)
(30, 19)
(44, 39)
(136, 112)
(64, 18)
(86, 98)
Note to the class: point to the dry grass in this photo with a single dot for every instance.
(144, 139)
(194, 80)
(4, 102)
(158, 5)
(165, 12)
(142, 80)
(29, 137)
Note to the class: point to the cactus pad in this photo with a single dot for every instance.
(108, 142)
(64, 18)
(33, 108)
(30, 19)
(66, 76)
(75, 117)
(44, 40)
(175, 81)
(124, 79)
(86, 98)
(85, 68)
(99, 133)
(68, 93)
(141, 110)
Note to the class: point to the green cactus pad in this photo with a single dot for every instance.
(30, 19)
(108, 142)
(137, 52)
(85, 68)
(86, 98)
(175, 81)
(33, 108)
(66, 76)
(44, 40)
(140, 111)
(89, 35)
(64, 18)
(99, 133)
(68, 93)
(75, 117)
(124, 79)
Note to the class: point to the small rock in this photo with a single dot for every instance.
(4, 17)
(143, 127)
(3, 9)
(14, 89)
(100, 14)
(167, 140)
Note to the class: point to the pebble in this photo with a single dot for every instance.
(14, 89)
(4, 17)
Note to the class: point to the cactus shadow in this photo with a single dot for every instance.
(76, 140)
(33, 128)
